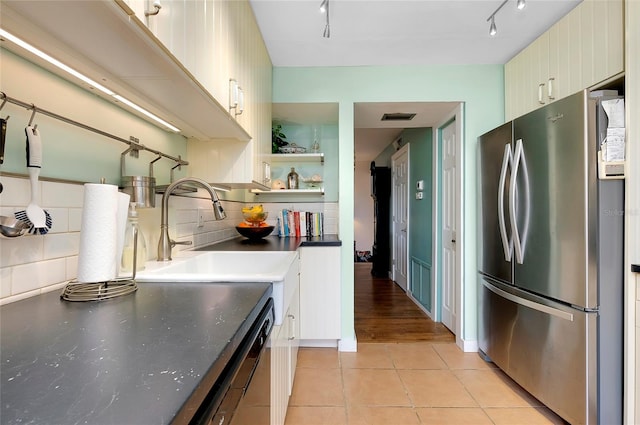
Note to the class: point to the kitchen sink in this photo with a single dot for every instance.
(220, 266)
(225, 266)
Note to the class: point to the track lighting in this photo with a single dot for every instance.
(324, 8)
(493, 30)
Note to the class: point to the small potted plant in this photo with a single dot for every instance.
(277, 138)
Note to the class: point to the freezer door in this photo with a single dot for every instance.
(495, 172)
(551, 202)
(546, 347)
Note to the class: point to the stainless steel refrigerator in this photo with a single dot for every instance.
(551, 260)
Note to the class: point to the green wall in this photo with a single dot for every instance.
(420, 210)
(302, 135)
(70, 152)
(479, 87)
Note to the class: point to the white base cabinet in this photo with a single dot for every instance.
(284, 347)
(320, 293)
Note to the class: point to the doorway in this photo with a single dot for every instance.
(379, 140)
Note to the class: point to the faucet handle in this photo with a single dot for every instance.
(174, 243)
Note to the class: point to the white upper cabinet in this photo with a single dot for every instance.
(239, 53)
(111, 42)
(581, 50)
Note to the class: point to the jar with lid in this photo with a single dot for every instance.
(292, 179)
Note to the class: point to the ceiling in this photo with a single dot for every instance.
(399, 32)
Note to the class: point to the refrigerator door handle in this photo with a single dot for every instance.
(530, 304)
(507, 243)
(519, 239)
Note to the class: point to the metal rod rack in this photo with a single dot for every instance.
(132, 143)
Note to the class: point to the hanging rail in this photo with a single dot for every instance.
(133, 144)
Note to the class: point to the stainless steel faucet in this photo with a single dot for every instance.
(165, 243)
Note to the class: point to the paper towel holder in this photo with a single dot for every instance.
(102, 291)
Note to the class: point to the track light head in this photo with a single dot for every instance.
(492, 28)
(324, 8)
(521, 4)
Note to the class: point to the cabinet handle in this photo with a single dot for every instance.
(550, 88)
(157, 6)
(540, 86)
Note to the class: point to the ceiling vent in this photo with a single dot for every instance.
(398, 116)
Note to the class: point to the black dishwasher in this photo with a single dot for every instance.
(224, 398)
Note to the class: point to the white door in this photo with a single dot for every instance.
(400, 208)
(448, 214)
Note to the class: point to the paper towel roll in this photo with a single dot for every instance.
(97, 260)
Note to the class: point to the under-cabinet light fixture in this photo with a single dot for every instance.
(493, 30)
(12, 38)
(324, 8)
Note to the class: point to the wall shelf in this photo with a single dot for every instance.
(297, 157)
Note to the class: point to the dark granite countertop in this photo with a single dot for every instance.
(145, 358)
(272, 243)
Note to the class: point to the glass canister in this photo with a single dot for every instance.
(292, 179)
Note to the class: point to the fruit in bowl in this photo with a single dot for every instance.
(254, 232)
(254, 225)
(254, 215)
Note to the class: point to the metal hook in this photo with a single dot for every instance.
(151, 165)
(4, 102)
(33, 114)
(178, 166)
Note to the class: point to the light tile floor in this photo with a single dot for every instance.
(407, 383)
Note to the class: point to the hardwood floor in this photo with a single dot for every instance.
(384, 312)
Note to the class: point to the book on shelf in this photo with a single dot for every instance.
(300, 223)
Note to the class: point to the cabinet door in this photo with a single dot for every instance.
(320, 293)
(237, 52)
(279, 374)
(293, 317)
(602, 33)
(515, 86)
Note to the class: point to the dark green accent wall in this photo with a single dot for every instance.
(420, 210)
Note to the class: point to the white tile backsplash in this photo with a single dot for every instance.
(28, 277)
(59, 220)
(61, 245)
(21, 250)
(33, 264)
(5, 282)
(62, 195)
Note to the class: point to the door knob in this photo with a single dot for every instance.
(453, 241)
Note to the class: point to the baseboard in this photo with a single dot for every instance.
(470, 346)
(319, 343)
(349, 345)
